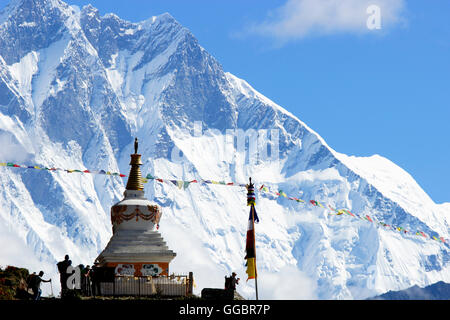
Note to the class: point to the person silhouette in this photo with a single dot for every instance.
(36, 284)
(62, 268)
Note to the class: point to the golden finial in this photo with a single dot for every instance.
(135, 177)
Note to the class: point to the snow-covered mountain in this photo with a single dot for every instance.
(77, 87)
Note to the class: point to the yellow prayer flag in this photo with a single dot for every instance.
(251, 270)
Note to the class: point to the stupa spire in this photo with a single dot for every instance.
(135, 176)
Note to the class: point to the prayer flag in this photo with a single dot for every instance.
(250, 244)
(251, 268)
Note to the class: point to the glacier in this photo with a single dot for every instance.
(77, 87)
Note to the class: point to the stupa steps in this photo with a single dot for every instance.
(137, 251)
(138, 239)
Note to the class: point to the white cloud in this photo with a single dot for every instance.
(288, 284)
(297, 19)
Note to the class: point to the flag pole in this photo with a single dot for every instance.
(251, 197)
(254, 241)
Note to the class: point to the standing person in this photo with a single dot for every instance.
(87, 283)
(234, 281)
(36, 284)
(62, 268)
(95, 278)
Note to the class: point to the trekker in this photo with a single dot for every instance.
(95, 275)
(231, 282)
(234, 281)
(86, 283)
(62, 268)
(36, 284)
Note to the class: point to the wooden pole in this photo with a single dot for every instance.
(254, 238)
(254, 245)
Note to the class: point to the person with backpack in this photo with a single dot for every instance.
(231, 282)
(62, 268)
(35, 284)
(234, 281)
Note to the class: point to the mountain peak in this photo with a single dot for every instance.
(90, 10)
(35, 4)
(31, 25)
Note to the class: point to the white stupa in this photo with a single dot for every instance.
(136, 248)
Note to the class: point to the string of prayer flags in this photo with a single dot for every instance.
(183, 185)
(281, 193)
(15, 165)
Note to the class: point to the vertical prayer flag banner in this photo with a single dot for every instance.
(250, 244)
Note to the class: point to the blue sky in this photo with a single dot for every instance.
(365, 92)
